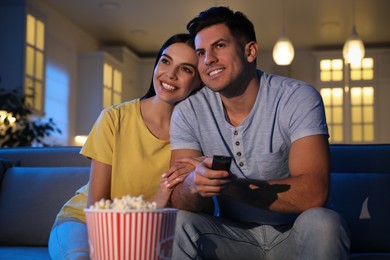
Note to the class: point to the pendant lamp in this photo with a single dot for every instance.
(353, 50)
(283, 52)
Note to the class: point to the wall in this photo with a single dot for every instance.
(383, 97)
(64, 40)
(131, 70)
(11, 43)
(304, 67)
(146, 66)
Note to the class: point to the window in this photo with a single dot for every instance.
(112, 86)
(331, 70)
(362, 114)
(348, 95)
(334, 101)
(363, 70)
(34, 84)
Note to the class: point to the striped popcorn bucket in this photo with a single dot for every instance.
(135, 234)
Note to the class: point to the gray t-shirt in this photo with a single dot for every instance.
(285, 110)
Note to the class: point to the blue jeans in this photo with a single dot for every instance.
(317, 233)
(69, 240)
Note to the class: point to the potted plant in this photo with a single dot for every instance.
(18, 126)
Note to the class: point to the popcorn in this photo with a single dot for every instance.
(127, 202)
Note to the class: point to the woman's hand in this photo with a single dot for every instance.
(172, 177)
(175, 175)
(162, 196)
(179, 170)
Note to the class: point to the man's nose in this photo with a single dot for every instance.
(210, 58)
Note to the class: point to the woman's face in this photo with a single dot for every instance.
(175, 75)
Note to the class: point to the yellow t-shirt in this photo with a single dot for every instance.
(120, 138)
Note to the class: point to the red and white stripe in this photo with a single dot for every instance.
(136, 235)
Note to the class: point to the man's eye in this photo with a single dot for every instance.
(220, 45)
(200, 53)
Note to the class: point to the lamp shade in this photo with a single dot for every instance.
(283, 52)
(353, 50)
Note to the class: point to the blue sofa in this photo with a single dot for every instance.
(35, 182)
(360, 192)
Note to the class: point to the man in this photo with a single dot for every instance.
(275, 130)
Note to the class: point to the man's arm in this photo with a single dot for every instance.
(307, 187)
(185, 195)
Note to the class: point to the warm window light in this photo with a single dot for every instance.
(353, 50)
(283, 52)
(80, 139)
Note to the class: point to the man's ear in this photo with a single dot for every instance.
(251, 49)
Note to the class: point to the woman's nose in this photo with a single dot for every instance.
(172, 73)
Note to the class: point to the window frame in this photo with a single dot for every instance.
(33, 78)
(346, 84)
(111, 94)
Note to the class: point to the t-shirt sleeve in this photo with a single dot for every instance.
(304, 113)
(100, 141)
(183, 129)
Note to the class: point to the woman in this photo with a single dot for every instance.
(129, 147)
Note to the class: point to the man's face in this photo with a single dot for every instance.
(221, 61)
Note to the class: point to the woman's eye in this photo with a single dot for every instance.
(165, 61)
(187, 70)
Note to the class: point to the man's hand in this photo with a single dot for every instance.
(193, 193)
(208, 182)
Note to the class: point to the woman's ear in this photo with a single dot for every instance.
(251, 49)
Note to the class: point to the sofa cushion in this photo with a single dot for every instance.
(28, 253)
(30, 199)
(363, 200)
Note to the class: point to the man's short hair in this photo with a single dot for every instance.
(237, 22)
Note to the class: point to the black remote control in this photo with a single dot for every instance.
(221, 162)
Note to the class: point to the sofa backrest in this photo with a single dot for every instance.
(358, 158)
(45, 156)
(360, 192)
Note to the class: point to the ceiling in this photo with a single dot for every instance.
(143, 25)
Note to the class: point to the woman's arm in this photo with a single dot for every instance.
(172, 177)
(99, 182)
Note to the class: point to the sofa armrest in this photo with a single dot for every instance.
(363, 201)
